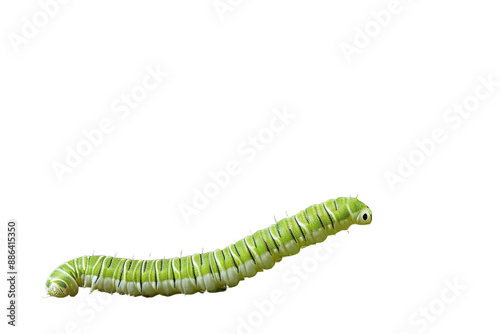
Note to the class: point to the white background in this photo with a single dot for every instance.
(353, 121)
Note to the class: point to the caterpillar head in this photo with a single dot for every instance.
(360, 212)
(56, 286)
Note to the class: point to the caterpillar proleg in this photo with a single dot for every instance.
(209, 271)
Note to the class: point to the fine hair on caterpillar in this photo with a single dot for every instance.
(209, 271)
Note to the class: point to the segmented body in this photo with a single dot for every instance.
(211, 271)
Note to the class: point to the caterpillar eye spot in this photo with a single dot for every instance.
(364, 217)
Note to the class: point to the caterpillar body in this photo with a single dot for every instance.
(211, 271)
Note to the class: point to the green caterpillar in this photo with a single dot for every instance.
(212, 271)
